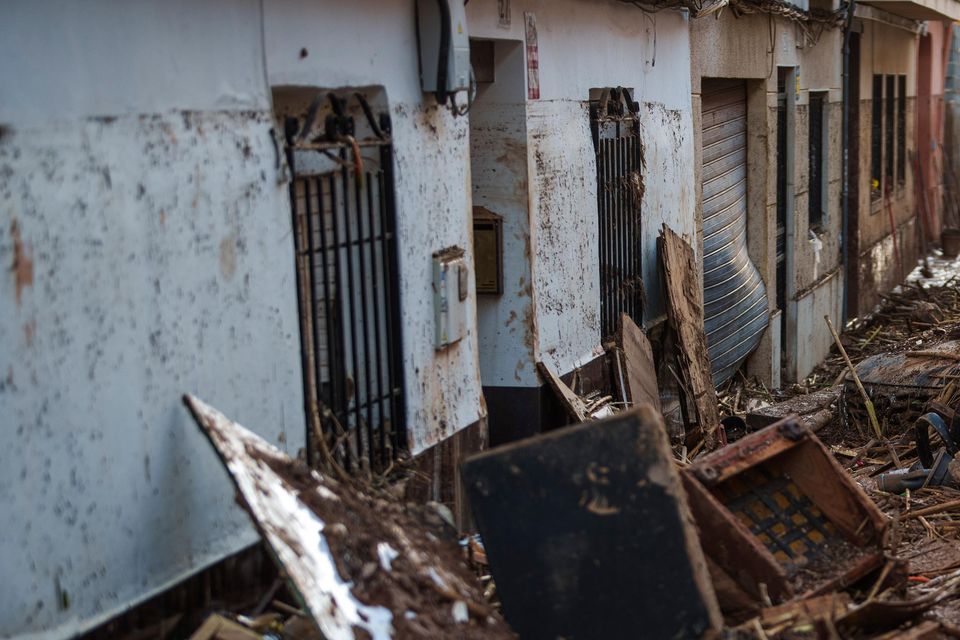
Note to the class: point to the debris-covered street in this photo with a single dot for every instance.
(390, 319)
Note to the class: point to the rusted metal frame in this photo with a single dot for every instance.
(375, 294)
(351, 288)
(365, 323)
(732, 546)
(394, 349)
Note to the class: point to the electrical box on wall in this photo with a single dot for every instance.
(450, 289)
(444, 47)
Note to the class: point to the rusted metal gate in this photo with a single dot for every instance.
(344, 227)
(616, 139)
(735, 299)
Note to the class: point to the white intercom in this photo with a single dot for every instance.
(450, 290)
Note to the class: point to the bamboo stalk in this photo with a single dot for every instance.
(853, 372)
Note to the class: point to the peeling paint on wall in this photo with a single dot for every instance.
(129, 296)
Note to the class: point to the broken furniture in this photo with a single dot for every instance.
(781, 518)
(588, 535)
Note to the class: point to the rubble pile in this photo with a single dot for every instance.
(828, 510)
(361, 564)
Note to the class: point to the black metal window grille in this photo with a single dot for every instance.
(781, 292)
(876, 137)
(888, 136)
(616, 138)
(346, 256)
(901, 129)
(816, 166)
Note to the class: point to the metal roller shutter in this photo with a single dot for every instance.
(735, 299)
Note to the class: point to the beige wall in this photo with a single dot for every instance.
(886, 50)
(753, 47)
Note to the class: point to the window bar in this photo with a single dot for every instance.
(311, 291)
(348, 298)
(364, 328)
(375, 294)
(390, 261)
(342, 410)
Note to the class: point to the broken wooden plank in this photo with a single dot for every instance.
(640, 370)
(588, 533)
(360, 564)
(572, 403)
(685, 314)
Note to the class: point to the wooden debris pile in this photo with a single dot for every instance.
(360, 563)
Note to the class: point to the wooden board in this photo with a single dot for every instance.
(685, 314)
(571, 402)
(358, 564)
(640, 369)
(588, 533)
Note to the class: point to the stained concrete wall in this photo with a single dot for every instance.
(371, 43)
(753, 47)
(499, 148)
(146, 251)
(933, 52)
(583, 46)
(886, 50)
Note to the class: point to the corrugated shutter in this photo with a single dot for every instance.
(735, 299)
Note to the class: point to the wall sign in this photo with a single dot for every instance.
(533, 56)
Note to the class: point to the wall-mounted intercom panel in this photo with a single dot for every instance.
(450, 289)
(444, 47)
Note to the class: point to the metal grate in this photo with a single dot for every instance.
(616, 138)
(344, 226)
(734, 295)
(782, 517)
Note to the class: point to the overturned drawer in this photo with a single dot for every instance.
(779, 516)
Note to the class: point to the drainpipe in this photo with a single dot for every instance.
(845, 182)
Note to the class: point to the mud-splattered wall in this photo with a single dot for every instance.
(584, 46)
(370, 43)
(145, 251)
